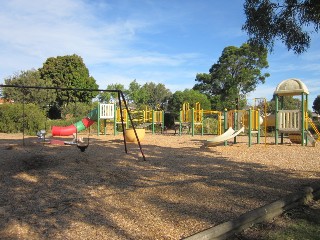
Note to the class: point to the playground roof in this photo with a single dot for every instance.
(291, 87)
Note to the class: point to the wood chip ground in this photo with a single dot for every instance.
(58, 192)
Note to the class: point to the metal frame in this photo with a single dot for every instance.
(120, 96)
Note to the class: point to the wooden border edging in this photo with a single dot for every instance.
(267, 212)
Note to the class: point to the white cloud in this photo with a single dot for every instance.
(120, 43)
(32, 31)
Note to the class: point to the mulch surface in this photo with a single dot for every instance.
(57, 192)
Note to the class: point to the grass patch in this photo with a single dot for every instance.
(299, 223)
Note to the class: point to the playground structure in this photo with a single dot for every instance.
(229, 134)
(112, 115)
(236, 122)
(85, 122)
(248, 121)
(76, 127)
(192, 118)
(233, 122)
(293, 122)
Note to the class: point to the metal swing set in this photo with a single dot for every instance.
(81, 145)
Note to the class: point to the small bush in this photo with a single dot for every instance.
(210, 126)
(77, 110)
(16, 118)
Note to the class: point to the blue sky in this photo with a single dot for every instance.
(157, 41)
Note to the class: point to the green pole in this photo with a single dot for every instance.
(302, 120)
(235, 124)
(162, 125)
(152, 124)
(127, 120)
(115, 120)
(98, 121)
(225, 123)
(282, 106)
(192, 122)
(250, 126)
(104, 126)
(306, 114)
(202, 122)
(180, 123)
(276, 121)
(259, 129)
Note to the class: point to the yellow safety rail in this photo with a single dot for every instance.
(137, 116)
(124, 115)
(185, 113)
(242, 118)
(309, 120)
(196, 115)
(147, 115)
(157, 116)
(211, 112)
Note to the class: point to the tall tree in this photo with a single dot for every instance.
(149, 94)
(110, 96)
(28, 95)
(290, 21)
(289, 103)
(316, 105)
(190, 96)
(69, 72)
(134, 92)
(157, 95)
(237, 72)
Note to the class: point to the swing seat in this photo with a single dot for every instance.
(82, 147)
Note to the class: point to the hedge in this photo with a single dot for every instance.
(18, 117)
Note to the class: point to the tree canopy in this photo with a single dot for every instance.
(290, 21)
(111, 97)
(316, 105)
(190, 96)
(27, 95)
(69, 72)
(149, 94)
(289, 103)
(237, 72)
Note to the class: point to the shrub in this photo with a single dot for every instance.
(15, 118)
(77, 110)
(210, 126)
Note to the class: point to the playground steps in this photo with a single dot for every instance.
(314, 128)
(143, 125)
(296, 138)
(311, 139)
